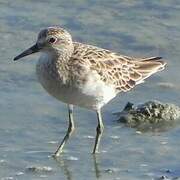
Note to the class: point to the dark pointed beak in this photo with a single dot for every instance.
(35, 48)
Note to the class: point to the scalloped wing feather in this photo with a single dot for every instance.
(121, 71)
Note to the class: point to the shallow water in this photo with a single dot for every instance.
(32, 122)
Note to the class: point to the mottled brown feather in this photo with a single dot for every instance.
(121, 71)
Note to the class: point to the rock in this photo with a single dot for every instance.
(164, 177)
(149, 114)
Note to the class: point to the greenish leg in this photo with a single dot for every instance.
(68, 133)
(99, 131)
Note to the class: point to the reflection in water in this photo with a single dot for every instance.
(96, 167)
(64, 166)
(68, 174)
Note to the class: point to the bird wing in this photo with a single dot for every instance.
(123, 72)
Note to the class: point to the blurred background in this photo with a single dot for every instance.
(32, 122)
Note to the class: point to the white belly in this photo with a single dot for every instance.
(92, 95)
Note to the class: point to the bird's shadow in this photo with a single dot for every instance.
(64, 165)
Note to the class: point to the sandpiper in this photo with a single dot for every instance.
(85, 75)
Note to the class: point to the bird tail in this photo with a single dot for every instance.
(148, 66)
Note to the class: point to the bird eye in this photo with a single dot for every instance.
(52, 40)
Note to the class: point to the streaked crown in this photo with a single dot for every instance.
(54, 38)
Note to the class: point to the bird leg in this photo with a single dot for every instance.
(68, 133)
(99, 131)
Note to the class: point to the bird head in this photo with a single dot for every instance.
(51, 39)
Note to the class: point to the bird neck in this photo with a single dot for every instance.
(60, 62)
(63, 55)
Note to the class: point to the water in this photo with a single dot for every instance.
(32, 122)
